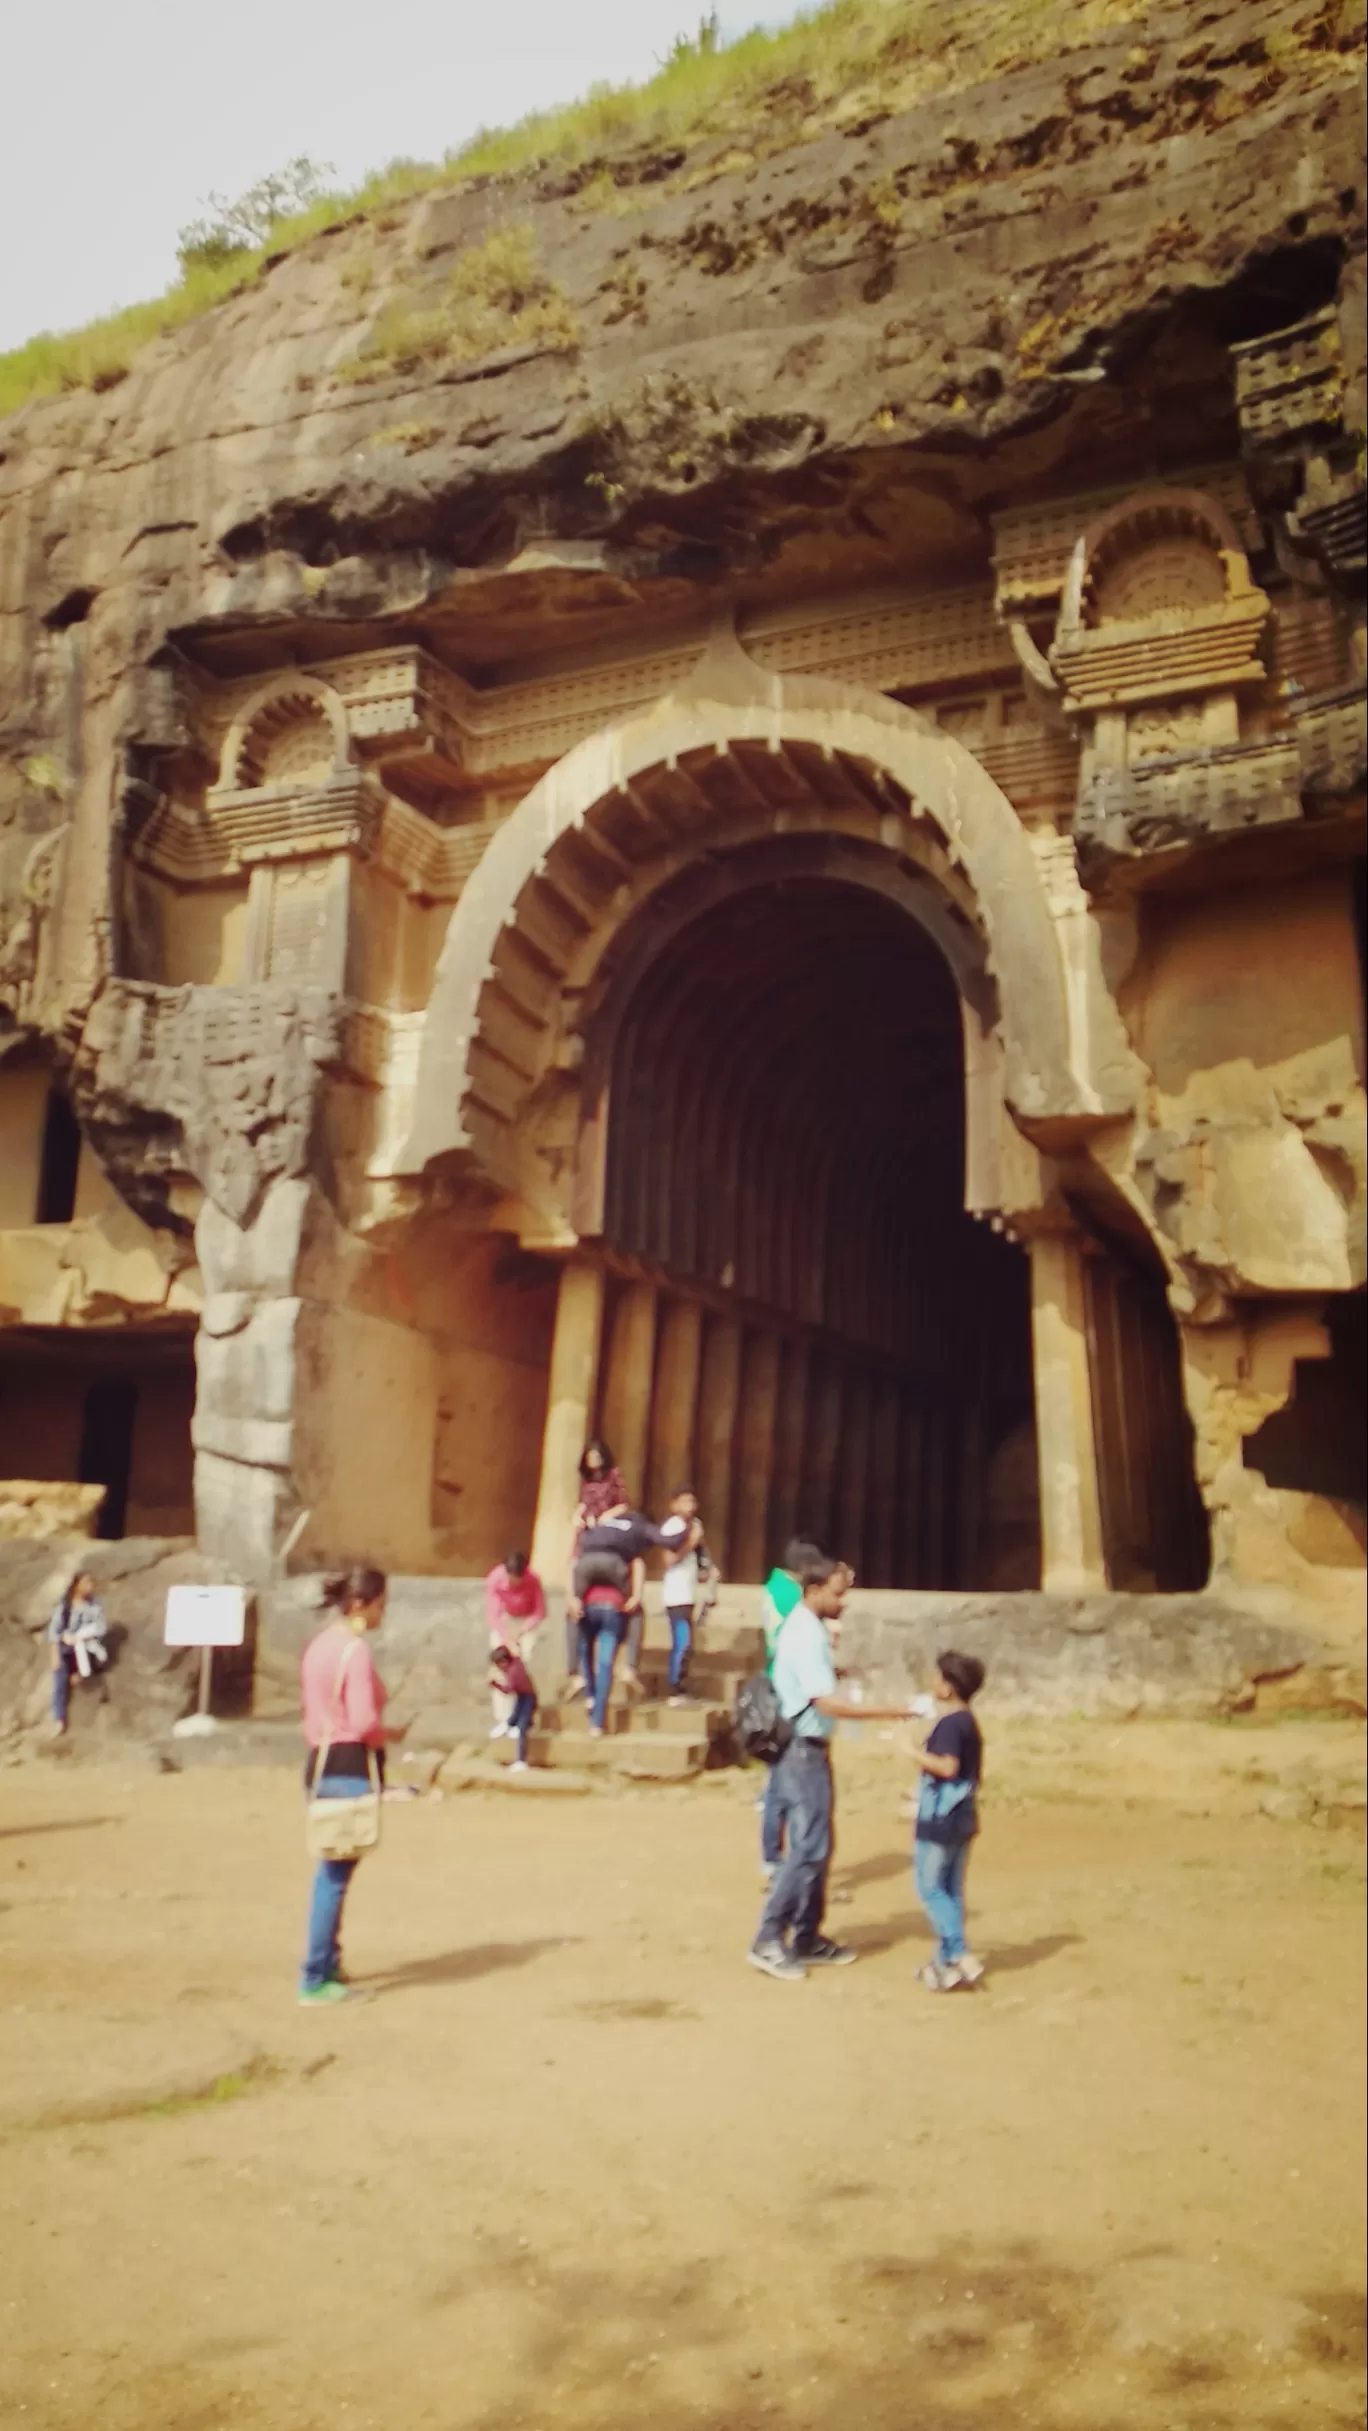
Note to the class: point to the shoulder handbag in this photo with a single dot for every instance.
(342, 1828)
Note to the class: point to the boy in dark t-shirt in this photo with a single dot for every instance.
(947, 1818)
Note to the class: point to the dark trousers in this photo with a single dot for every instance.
(771, 1822)
(803, 1796)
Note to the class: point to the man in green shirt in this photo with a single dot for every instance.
(781, 1591)
(789, 1938)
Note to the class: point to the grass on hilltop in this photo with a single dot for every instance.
(752, 96)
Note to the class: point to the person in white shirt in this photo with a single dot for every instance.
(789, 1938)
(691, 1575)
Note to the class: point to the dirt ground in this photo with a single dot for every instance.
(575, 2164)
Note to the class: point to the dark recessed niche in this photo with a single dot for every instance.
(71, 610)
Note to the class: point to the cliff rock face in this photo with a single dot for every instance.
(790, 363)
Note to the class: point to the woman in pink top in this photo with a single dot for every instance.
(515, 1607)
(344, 1707)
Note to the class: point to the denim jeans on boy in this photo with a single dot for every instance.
(322, 1955)
(680, 1618)
(521, 1719)
(940, 1872)
(804, 1802)
(602, 1628)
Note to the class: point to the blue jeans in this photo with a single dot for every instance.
(804, 1802)
(771, 1822)
(940, 1873)
(602, 1630)
(61, 1683)
(521, 1719)
(322, 1953)
(680, 1618)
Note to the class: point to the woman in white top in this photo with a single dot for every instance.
(76, 1639)
(688, 1575)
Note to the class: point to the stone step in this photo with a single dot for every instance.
(637, 1721)
(715, 1679)
(646, 1759)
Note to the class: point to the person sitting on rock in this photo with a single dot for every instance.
(76, 1638)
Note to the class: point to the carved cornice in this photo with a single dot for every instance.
(1195, 800)
(349, 814)
(1332, 742)
(1032, 545)
(1290, 382)
(892, 641)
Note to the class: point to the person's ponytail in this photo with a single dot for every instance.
(361, 1584)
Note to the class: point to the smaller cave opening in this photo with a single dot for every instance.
(1318, 1443)
(72, 609)
(1277, 289)
(59, 1162)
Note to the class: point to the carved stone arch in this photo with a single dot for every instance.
(288, 700)
(735, 756)
(1159, 552)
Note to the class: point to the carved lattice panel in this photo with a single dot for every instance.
(1178, 573)
(303, 929)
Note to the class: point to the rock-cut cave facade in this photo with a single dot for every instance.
(874, 1031)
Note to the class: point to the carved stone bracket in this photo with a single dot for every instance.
(222, 1085)
(1290, 395)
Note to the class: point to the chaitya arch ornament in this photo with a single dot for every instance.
(736, 754)
(1159, 605)
(292, 733)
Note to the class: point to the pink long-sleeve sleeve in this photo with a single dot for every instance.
(353, 1715)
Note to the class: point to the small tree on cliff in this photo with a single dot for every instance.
(243, 226)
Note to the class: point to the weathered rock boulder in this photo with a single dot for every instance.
(148, 1684)
(36, 1507)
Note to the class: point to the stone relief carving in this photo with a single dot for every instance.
(1290, 395)
(221, 1084)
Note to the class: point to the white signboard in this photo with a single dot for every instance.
(206, 1616)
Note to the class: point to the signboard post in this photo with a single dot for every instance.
(205, 1617)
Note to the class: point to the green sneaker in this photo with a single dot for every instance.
(323, 1996)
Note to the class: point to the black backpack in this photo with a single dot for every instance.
(761, 1729)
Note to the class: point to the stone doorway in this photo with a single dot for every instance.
(110, 1410)
(798, 1314)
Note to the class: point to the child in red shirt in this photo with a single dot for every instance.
(515, 1607)
(509, 1677)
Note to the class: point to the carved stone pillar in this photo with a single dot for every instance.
(718, 1402)
(569, 1410)
(675, 1399)
(1070, 1511)
(819, 1513)
(881, 1533)
(755, 1457)
(789, 1417)
(625, 1402)
(244, 1428)
(852, 1494)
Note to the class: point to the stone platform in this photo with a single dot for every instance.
(1222, 1651)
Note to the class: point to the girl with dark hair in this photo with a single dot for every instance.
(344, 1724)
(76, 1637)
(602, 1487)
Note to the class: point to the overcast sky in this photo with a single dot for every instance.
(124, 114)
